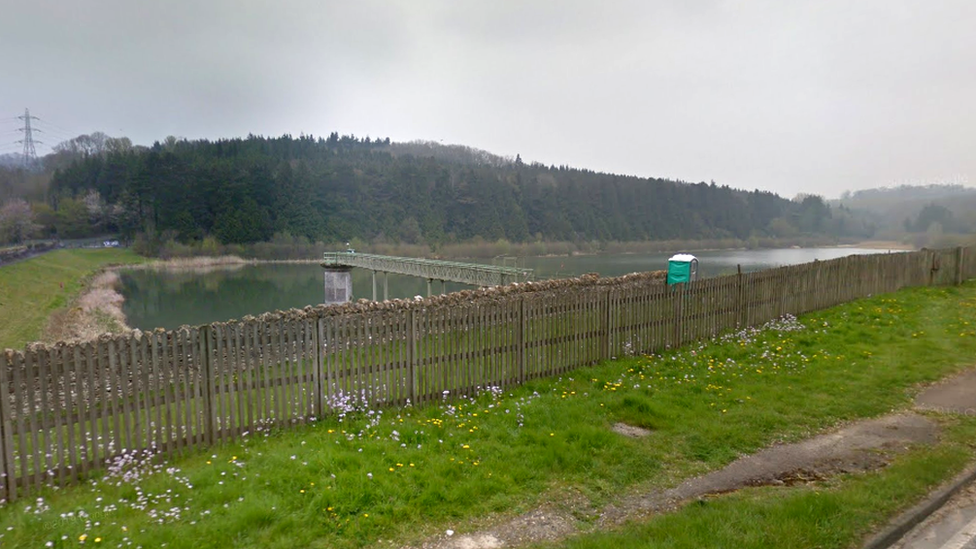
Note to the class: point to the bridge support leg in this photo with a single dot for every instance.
(428, 287)
(386, 286)
(374, 285)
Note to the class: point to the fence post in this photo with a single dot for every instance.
(206, 366)
(521, 340)
(959, 257)
(9, 489)
(319, 404)
(740, 308)
(412, 356)
(607, 325)
(678, 310)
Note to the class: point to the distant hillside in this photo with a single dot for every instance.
(914, 209)
(339, 188)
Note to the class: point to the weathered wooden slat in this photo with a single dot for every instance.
(56, 401)
(344, 361)
(90, 431)
(222, 375)
(34, 455)
(288, 362)
(138, 390)
(320, 369)
(251, 366)
(329, 347)
(188, 350)
(241, 394)
(390, 359)
(125, 390)
(168, 369)
(306, 363)
(412, 359)
(7, 460)
(262, 347)
(178, 369)
(112, 397)
(45, 410)
(350, 361)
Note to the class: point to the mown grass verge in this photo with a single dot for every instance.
(32, 290)
(360, 476)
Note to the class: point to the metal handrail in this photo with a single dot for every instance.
(433, 269)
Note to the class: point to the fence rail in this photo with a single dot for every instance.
(69, 409)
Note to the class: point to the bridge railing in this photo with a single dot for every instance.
(432, 269)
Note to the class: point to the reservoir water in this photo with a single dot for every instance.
(168, 299)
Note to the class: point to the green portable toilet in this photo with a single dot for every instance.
(682, 268)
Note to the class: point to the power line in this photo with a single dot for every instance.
(55, 127)
(58, 133)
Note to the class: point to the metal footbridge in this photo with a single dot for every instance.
(432, 269)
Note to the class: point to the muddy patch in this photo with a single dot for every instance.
(861, 446)
(631, 431)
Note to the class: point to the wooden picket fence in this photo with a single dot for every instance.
(70, 409)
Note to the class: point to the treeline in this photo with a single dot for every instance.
(335, 189)
(927, 216)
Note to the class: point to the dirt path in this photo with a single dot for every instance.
(861, 446)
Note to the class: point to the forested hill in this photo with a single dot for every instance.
(916, 209)
(338, 188)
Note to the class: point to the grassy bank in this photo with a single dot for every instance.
(32, 290)
(360, 476)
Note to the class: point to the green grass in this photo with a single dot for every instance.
(840, 512)
(31, 290)
(402, 474)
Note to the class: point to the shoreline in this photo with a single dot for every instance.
(892, 245)
(98, 308)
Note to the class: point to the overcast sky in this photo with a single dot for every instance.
(814, 97)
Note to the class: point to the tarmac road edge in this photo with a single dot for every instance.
(900, 525)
